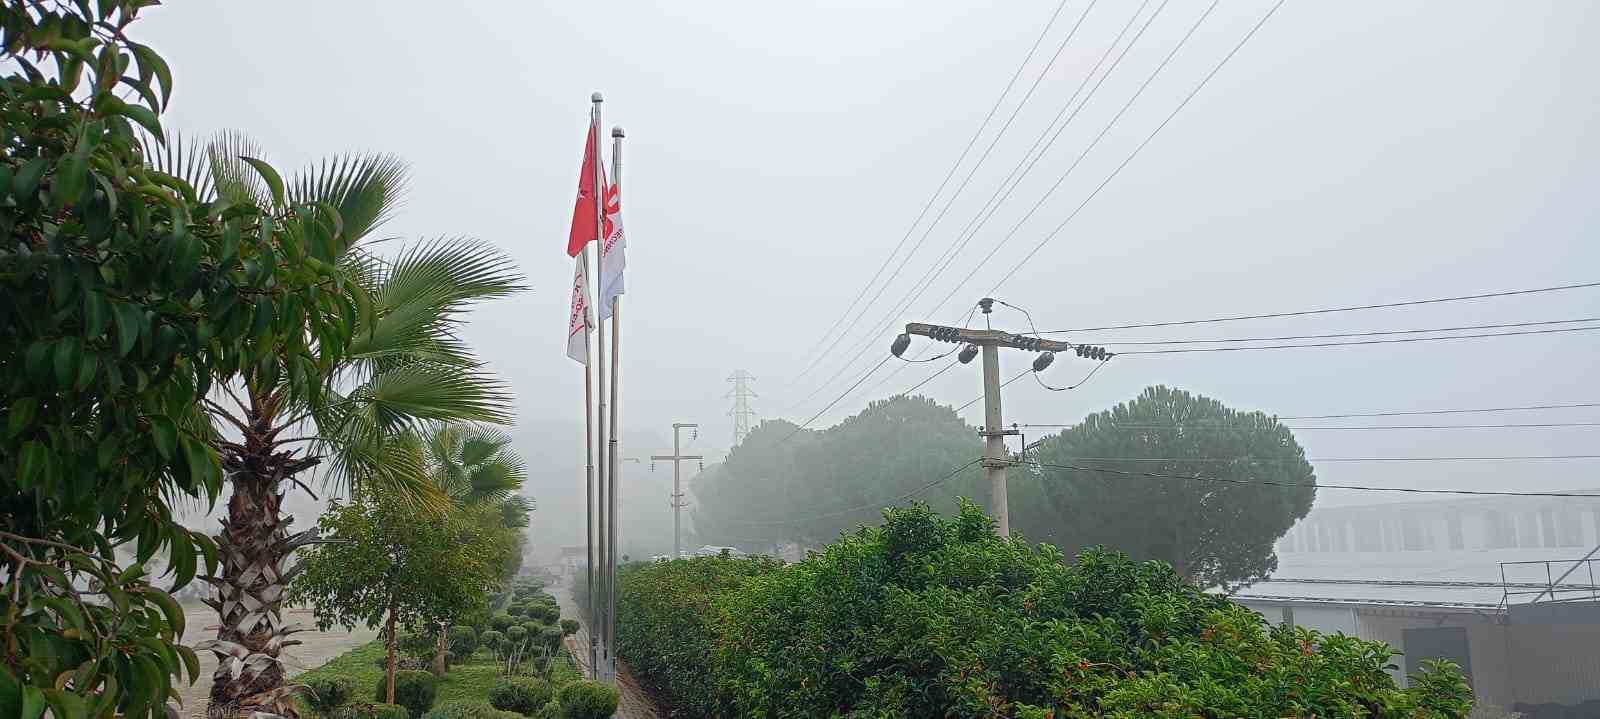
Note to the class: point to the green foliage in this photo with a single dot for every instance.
(569, 627)
(517, 633)
(463, 641)
(416, 645)
(523, 695)
(468, 709)
(125, 296)
(471, 679)
(372, 711)
(414, 690)
(588, 700)
(928, 616)
(325, 694)
(502, 621)
(1214, 533)
(549, 638)
(492, 640)
(665, 627)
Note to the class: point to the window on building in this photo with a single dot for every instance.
(1453, 528)
(1547, 527)
(1528, 529)
(1569, 528)
(1410, 534)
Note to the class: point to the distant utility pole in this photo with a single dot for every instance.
(741, 412)
(988, 342)
(676, 457)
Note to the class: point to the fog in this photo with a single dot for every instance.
(1351, 153)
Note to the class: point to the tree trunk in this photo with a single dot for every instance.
(439, 651)
(253, 549)
(394, 642)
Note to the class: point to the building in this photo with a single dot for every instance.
(1505, 587)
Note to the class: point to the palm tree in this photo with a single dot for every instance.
(385, 359)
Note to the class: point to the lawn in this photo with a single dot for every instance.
(467, 680)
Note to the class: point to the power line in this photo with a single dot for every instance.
(1301, 485)
(1408, 413)
(869, 505)
(1370, 333)
(970, 231)
(836, 400)
(1250, 460)
(935, 196)
(1484, 335)
(1351, 308)
(975, 400)
(1301, 427)
(1140, 147)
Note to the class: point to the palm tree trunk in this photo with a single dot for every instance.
(253, 550)
(388, 671)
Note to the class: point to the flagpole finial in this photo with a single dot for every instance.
(616, 131)
(597, 97)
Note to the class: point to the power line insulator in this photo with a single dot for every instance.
(900, 344)
(967, 353)
(1043, 361)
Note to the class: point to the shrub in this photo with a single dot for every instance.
(468, 709)
(516, 633)
(569, 626)
(371, 711)
(550, 638)
(523, 695)
(414, 690)
(935, 616)
(584, 699)
(463, 642)
(328, 693)
(491, 640)
(502, 621)
(544, 613)
(417, 645)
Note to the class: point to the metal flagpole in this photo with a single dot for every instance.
(603, 621)
(589, 426)
(616, 371)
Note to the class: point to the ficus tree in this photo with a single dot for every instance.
(125, 297)
(1232, 482)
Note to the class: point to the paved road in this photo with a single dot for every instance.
(635, 704)
(319, 647)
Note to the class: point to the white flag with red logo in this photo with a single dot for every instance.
(578, 322)
(613, 252)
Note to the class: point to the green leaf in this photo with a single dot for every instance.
(96, 314)
(261, 327)
(191, 662)
(143, 115)
(130, 323)
(66, 360)
(182, 551)
(20, 414)
(88, 366)
(33, 464)
(27, 179)
(274, 182)
(165, 435)
(32, 702)
(149, 60)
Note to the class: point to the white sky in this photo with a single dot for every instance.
(1352, 152)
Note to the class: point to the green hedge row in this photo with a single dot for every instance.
(929, 616)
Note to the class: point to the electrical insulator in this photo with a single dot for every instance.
(702, 465)
(900, 344)
(652, 466)
(1043, 361)
(967, 353)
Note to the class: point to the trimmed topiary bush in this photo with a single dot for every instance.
(468, 709)
(491, 640)
(523, 695)
(414, 690)
(502, 621)
(417, 646)
(544, 613)
(550, 638)
(463, 642)
(326, 694)
(516, 633)
(569, 626)
(584, 699)
(371, 711)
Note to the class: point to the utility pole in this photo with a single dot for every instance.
(676, 457)
(988, 342)
(741, 412)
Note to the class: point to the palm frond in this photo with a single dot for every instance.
(364, 189)
(404, 397)
(233, 179)
(182, 157)
(420, 295)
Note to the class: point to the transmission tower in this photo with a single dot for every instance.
(741, 412)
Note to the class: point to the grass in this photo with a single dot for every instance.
(467, 680)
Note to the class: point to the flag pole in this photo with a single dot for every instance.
(606, 501)
(589, 428)
(616, 404)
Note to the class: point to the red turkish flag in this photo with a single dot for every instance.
(583, 213)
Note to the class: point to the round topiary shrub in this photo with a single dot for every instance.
(550, 638)
(463, 642)
(491, 640)
(502, 621)
(371, 711)
(417, 646)
(588, 700)
(523, 695)
(468, 709)
(569, 626)
(326, 694)
(516, 633)
(414, 690)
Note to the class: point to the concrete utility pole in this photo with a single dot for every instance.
(676, 457)
(989, 342)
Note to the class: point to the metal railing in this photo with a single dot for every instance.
(1558, 583)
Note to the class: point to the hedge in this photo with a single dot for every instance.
(934, 616)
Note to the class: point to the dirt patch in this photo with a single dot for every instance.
(318, 648)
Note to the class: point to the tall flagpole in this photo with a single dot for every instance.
(606, 501)
(589, 426)
(616, 371)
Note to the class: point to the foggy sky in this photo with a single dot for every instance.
(1351, 153)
